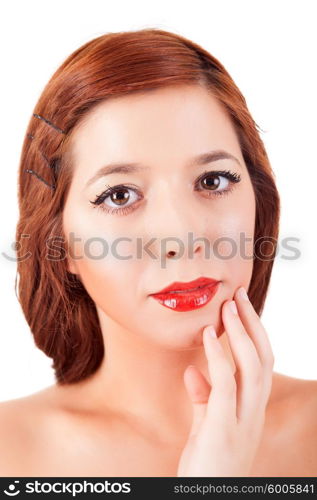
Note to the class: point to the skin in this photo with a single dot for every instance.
(164, 130)
(167, 399)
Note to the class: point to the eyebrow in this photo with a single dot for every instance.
(128, 168)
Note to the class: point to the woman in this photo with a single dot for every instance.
(148, 208)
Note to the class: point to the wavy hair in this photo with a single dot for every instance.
(60, 313)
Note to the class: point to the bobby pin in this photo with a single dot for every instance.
(48, 164)
(49, 123)
(40, 178)
(30, 136)
(47, 160)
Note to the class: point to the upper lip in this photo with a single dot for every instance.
(187, 286)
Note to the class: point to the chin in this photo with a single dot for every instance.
(181, 341)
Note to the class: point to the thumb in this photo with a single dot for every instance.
(198, 390)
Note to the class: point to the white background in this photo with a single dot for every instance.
(269, 48)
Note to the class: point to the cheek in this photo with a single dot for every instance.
(233, 248)
(98, 255)
(111, 283)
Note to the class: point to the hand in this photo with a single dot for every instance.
(228, 417)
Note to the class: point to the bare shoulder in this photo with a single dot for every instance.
(24, 422)
(295, 398)
(26, 408)
(51, 433)
(305, 398)
(15, 414)
(294, 390)
(294, 403)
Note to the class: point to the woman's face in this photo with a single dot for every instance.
(167, 204)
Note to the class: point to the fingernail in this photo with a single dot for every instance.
(211, 331)
(190, 366)
(233, 307)
(243, 294)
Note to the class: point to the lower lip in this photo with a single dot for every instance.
(187, 301)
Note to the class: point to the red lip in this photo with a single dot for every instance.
(183, 297)
(178, 285)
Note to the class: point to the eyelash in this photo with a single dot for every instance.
(233, 177)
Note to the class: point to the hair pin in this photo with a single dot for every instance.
(49, 123)
(52, 186)
(47, 162)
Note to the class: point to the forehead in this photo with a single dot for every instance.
(175, 123)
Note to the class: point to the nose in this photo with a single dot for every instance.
(176, 227)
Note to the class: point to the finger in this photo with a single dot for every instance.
(221, 407)
(258, 334)
(198, 390)
(260, 339)
(196, 384)
(249, 374)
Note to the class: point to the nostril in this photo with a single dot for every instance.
(171, 253)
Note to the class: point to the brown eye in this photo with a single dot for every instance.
(214, 182)
(217, 183)
(211, 182)
(120, 197)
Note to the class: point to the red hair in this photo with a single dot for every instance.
(61, 315)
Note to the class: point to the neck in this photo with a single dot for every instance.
(143, 382)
